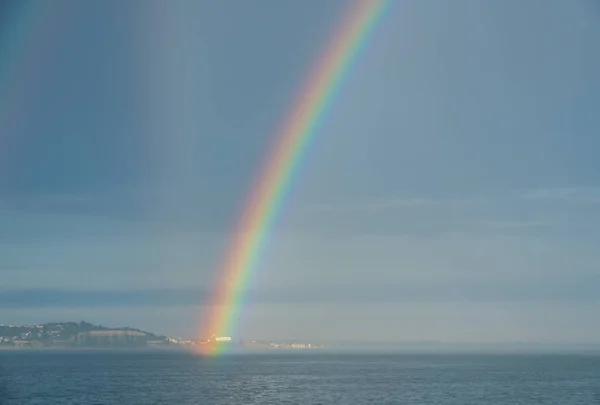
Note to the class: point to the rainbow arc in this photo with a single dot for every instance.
(280, 167)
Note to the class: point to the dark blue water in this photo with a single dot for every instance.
(178, 378)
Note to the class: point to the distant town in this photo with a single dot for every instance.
(84, 335)
(73, 335)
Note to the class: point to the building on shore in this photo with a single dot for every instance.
(111, 338)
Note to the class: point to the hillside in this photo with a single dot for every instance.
(76, 334)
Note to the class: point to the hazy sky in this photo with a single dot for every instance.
(453, 193)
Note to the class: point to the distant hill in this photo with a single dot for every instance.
(76, 334)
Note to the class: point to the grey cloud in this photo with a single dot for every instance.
(64, 298)
(566, 194)
(14, 267)
(120, 204)
(514, 224)
(533, 195)
(521, 210)
(387, 204)
(148, 204)
(582, 289)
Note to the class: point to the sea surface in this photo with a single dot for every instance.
(101, 377)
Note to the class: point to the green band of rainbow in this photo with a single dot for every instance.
(277, 175)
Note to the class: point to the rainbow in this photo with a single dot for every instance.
(276, 177)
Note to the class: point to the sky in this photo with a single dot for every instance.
(453, 193)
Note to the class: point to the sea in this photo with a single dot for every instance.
(156, 377)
